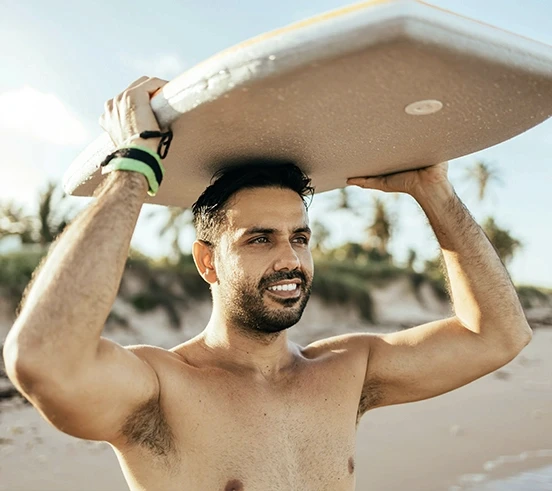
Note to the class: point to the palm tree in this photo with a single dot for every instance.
(483, 175)
(344, 200)
(178, 220)
(505, 244)
(411, 259)
(320, 235)
(14, 222)
(380, 231)
(40, 228)
(52, 220)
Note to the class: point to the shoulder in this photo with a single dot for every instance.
(158, 358)
(347, 358)
(345, 344)
(148, 352)
(353, 348)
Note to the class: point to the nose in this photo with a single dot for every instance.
(288, 259)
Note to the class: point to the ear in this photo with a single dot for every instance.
(204, 260)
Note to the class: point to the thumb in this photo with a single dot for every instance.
(368, 182)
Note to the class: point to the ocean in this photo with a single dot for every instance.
(533, 480)
(538, 478)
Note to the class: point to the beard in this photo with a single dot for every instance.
(247, 310)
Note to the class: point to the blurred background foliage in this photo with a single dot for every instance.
(345, 273)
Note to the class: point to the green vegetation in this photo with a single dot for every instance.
(482, 175)
(345, 274)
(169, 286)
(16, 269)
(504, 243)
(172, 286)
(42, 226)
(380, 230)
(531, 296)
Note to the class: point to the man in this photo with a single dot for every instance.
(240, 407)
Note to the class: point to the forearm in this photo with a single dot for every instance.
(484, 298)
(65, 310)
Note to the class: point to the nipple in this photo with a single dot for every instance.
(351, 465)
(234, 485)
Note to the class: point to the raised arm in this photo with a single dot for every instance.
(489, 327)
(83, 384)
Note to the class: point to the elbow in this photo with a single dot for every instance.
(31, 367)
(16, 367)
(526, 335)
(10, 356)
(520, 338)
(21, 365)
(507, 342)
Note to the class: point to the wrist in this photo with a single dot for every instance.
(438, 194)
(150, 143)
(137, 159)
(123, 182)
(132, 180)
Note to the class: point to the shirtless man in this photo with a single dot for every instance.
(240, 407)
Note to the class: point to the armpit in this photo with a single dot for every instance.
(147, 427)
(371, 396)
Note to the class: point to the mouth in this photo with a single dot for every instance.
(288, 289)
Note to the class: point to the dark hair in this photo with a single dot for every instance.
(208, 210)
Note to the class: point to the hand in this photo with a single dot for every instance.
(414, 182)
(130, 113)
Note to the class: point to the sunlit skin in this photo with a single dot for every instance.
(266, 240)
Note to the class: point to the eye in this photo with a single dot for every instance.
(302, 239)
(259, 240)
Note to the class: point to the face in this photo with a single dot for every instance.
(263, 263)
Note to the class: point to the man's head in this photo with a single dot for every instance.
(252, 231)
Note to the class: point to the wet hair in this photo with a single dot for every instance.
(209, 210)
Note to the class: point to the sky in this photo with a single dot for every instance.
(61, 60)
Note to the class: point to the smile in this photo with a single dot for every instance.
(283, 288)
(288, 291)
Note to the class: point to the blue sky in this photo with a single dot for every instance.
(65, 59)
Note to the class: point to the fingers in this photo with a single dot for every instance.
(357, 181)
(129, 113)
(136, 82)
(147, 84)
(410, 181)
(138, 92)
(369, 182)
(108, 107)
(141, 90)
(150, 84)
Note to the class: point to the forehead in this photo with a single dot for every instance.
(276, 208)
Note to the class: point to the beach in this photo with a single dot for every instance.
(495, 428)
(491, 429)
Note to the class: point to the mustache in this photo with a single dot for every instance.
(282, 275)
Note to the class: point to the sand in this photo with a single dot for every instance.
(450, 441)
(497, 426)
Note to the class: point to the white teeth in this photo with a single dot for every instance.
(284, 288)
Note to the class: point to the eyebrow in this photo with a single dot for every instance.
(269, 231)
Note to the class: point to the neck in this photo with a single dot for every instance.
(265, 355)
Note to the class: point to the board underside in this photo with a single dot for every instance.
(330, 95)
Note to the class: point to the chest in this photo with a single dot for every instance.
(294, 435)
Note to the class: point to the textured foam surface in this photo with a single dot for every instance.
(333, 94)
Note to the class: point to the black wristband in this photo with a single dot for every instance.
(164, 143)
(137, 154)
